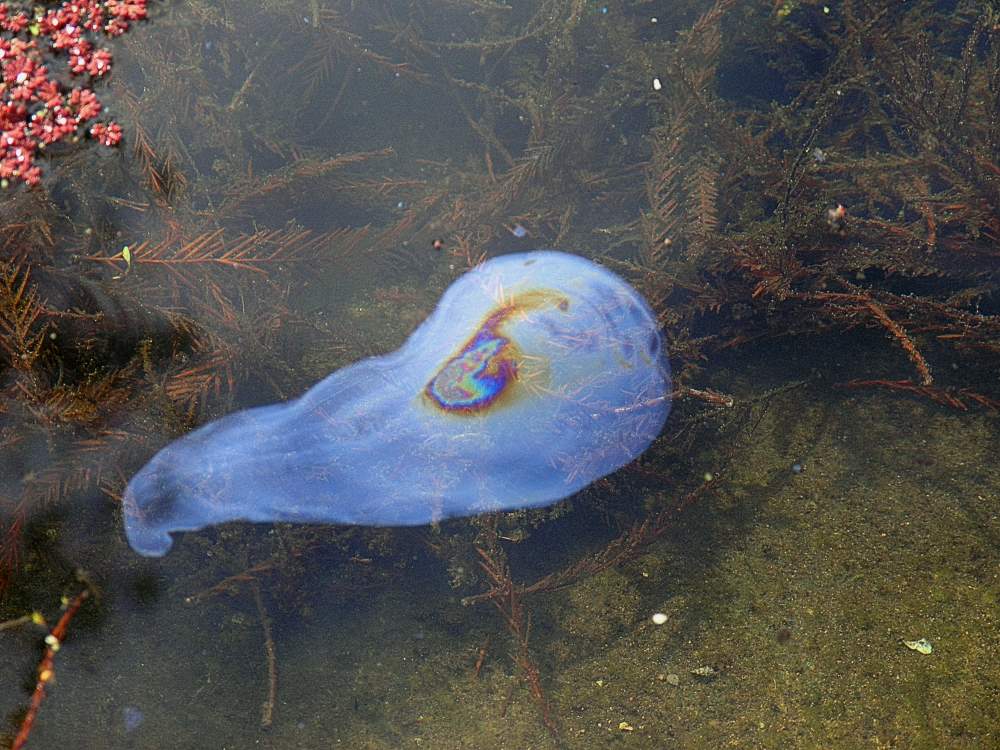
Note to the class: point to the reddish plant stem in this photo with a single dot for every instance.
(905, 341)
(879, 313)
(267, 708)
(507, 600)
(46, 668)
(481, 657)
(617, 551)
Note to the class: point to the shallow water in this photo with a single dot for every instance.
(836, 525)
(797, 590)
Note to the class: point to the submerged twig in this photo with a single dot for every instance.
(46, 667)
(267, 709)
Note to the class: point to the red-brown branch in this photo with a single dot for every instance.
(46, 667)
(879, 313)
(507, 599)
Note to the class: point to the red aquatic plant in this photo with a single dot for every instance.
(36, 108)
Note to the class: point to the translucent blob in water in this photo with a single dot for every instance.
(132, 717)
(537, 374)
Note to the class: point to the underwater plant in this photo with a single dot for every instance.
(294, 190)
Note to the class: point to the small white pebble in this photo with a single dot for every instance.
(659, 618)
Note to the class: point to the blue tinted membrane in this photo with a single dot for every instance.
(536, 374)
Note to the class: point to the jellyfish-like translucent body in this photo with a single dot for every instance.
(537, 374)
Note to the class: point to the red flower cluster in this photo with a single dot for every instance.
(35, 109)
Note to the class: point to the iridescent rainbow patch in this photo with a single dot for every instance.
(479, 374)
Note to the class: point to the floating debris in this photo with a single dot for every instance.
(132, 717)
(922, 646)
(659, 618)
(705, 671)
(835, 217)
(625, 726)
